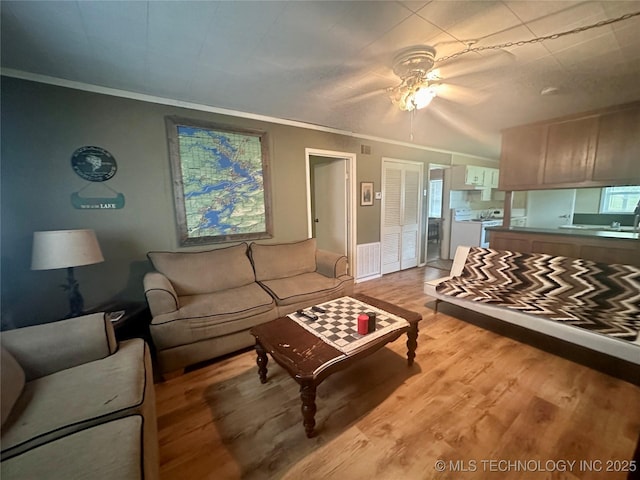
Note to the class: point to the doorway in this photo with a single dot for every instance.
(435, 215)
(330, 205)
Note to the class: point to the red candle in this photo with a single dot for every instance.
(363, 324)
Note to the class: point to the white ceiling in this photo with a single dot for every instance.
(327, 63)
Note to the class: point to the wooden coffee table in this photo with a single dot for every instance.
(309, 359)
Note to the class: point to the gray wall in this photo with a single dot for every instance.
(42, 125)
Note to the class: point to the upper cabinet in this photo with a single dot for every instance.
(618, 150)
(491, 177)
(590, 150)
(522, 157)
(472, 177)
(570, 151)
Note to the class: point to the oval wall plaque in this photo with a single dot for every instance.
(94, 164)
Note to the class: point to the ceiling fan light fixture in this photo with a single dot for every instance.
(414, 67)
(414, 98)
(433, 75)
(423, 96)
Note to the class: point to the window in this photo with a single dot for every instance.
(619, 199)
(435, 198)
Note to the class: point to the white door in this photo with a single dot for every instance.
(330, 205)
(401, 213)
(411, 216)
(391, 231)
(550, 208)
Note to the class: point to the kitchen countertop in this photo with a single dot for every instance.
(572, 232)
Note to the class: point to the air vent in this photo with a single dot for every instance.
(365, 149)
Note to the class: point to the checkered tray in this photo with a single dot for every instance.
(338, 326)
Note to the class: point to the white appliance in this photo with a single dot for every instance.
(550, 208)
(469, 231)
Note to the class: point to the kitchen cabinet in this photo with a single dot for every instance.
(472, 177)
(522, 157)
(598, 249)
(467, 177)
(595, 149)
(570, 151)
(491, 177)
(618, 152)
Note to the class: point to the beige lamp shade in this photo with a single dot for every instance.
(65, 248)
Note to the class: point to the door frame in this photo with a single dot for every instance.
(427, 187)
(351, 199)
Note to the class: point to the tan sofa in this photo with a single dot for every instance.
(76, 404)
(204, 303)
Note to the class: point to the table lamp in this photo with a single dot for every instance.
(66, 249)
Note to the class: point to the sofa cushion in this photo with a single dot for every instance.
(76, 398)
(300, 288)
(109, 451)
(284, 259)
(192, 273)
(11, 382)
(211, 315)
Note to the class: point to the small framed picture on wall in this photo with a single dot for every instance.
(366, 193)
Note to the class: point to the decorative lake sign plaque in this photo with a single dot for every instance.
(96, 203)
(95, 164)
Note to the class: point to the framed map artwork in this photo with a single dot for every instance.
(220, 182)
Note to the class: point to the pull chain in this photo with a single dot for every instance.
(412, 113)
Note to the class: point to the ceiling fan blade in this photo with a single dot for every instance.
(461, 123)
(475, 63)
(361, 97)
(460, 94)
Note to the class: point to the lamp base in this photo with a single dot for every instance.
(76, 302)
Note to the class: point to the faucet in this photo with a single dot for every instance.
(484, 214)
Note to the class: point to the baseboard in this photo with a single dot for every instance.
(366, 279)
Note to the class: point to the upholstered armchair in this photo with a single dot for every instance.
(76, 403)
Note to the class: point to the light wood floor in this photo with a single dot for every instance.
(473, 399)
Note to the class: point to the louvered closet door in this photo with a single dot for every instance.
(400, 215)
(410, 217)
(391, 217)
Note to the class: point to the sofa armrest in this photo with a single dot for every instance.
(459, 260)
(332, 265)
(50, 347)
(161, 296)
(431, 285)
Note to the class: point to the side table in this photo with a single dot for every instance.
(134, 323)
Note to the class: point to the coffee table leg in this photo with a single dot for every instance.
(412, 342)
(262, 361)
(308, 396)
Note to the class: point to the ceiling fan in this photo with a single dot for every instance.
(420, 82)
(414, 66)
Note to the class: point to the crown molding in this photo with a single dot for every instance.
(88, 87)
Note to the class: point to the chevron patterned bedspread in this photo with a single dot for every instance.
(595, 296)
